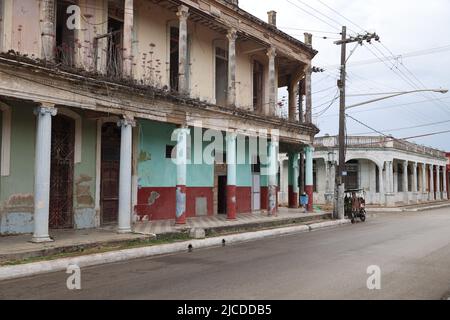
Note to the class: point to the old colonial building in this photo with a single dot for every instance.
(96, 94)
(391, 171)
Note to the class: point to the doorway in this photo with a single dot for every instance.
(110, 166)
(61, 176)
(222, 195)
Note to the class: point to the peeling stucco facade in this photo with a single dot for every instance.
(129, 106)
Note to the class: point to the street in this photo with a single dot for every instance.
(411, 249)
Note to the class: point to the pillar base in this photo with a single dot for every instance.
(41, 239)
(231, 202)
(292, 198)
(272, 209)
(123, 231)
(309, 192)
(389, 199)
(180, 215)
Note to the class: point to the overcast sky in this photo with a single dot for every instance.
(419, 30)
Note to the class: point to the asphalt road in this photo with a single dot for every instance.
(412, 251)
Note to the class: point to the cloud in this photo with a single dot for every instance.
(404, 26)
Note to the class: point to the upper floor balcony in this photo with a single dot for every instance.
(210, 50)
(377, 142)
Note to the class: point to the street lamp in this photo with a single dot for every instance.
(395, 94)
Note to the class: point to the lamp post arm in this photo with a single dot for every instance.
(392, 96)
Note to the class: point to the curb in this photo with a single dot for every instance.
(36, 268)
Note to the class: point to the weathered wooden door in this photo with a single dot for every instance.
(61, 177)
(110, 165)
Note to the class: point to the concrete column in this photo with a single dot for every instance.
(405, 182)
(309, 183)
(271, 53)
(414, 188)
(292, 90)
(231, 94)
(381, 183)
(293, 180)
(273, 170)
(42, 167)
(308, 94)
(181, 162)
(389, 183)
(438, 183)
(128, 22)
(308, 77)
(444, 179)
(231, 175)
(431, 194)
(125, 180)
(424, 183)
(48, 29)
(183, 14)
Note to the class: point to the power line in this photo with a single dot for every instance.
(309, 30)
(411, 127)
(322, 14)
(304, 10)
(335, 11)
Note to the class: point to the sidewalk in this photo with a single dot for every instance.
(67, 241)
(410, 207)
(220, 222)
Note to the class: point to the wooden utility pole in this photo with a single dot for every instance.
(339, 183)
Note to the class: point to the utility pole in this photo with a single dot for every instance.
(339, 183)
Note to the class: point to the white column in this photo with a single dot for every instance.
(183, 14)
(128, 22)
(125, 174)
(231, 175)
(48, 29)
(309, 179)
(444, 183)
(414, 188)
(389, 183)
(431, 195)
(181, 162)
(405, 182)
(273, 170)
(438, 182)
(231, 94)
(271, 53)
(381, 183)
(42, 165)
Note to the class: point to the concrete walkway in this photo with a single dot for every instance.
(411, 207)
(220, 221)
(20, 247)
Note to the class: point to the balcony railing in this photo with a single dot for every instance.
(377, 142)
(108, 54)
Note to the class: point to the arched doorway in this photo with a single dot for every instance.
(61, 176)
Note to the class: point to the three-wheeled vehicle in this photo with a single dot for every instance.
(355, 204)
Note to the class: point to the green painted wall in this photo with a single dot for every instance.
(154, 170)
(23, 128)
